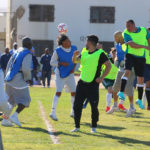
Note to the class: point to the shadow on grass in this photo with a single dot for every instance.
(143, 121)
(121, 140)
(46, 132)
(105, 127)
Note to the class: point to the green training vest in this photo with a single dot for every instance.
(89, 64)
(138, 38)
(113, 72)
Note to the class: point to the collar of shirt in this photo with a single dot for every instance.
(66, 50)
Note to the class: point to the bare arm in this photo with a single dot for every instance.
(76, 57)
(105, 73)
(134, 45)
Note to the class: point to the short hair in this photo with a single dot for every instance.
(131, 21)
(61, 38)
(93, 39)
(27, 42)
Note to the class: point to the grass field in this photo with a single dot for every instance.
(115, 132)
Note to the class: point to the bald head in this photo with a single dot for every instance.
(118, 37)
(27, 43)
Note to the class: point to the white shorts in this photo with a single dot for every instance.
(4, 105)
(68, 83)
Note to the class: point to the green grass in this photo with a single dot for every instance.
(115, 132)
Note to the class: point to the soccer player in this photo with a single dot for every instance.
(62, 60)
(110, 78)
(136, 40)
(91, 61)
(18, 72)
(129, 90)
(147, 72)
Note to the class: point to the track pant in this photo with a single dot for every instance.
(88, 91)
(46, 74)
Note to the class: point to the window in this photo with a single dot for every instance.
(44, 13)
(107, 46)
(102, 14)
(40, 45)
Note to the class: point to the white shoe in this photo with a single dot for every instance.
(76, 130)
(6, 123)
(93, 130)
(130, 112)
(14, 119)
(53, 116)
(72, 114)
(113, 109)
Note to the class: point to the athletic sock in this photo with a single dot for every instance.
(131, 106)
(140, 91)
(147, 91)
(115, 104)
(55, 101)
(123, 83)
(122, 101)
(72, 102)
(144, 98)
(108, 99)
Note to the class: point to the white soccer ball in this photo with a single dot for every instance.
(62, 28)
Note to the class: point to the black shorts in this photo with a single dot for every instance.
(138, 63)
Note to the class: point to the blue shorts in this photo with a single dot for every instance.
(147, 73)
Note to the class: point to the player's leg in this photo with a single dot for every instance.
(128, 66)
(43, 77)
(22, 99)
(78, 104)
(139, 66)
(109, 96)
(59, 87)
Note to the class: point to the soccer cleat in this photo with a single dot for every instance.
(93, 130)
(139, 102)
(6, 123)
(130, 112)
(112, 110)
(53, 116)
(107, 108)
(76, 130)
(14, 119)
(121, 95)
(121, 107)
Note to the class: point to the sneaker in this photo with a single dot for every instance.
(121, 95)
(148, 107)
(53, 116)
(48, 86)
(93, 130)
(107, 108)
(130, 112)
(6, 123)
(139, 102)
(14, 119)
(76, 130)
(121, 107)
(112, 110)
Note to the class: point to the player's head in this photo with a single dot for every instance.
(15, 45)
(6, 50)
(99, 45)
(148, 29)
(47, 51)
(113, 53)
(27, 43)
(130, 25)
(91, 42)
(118, 37)
(64, 41)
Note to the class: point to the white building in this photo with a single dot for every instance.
(83, 17)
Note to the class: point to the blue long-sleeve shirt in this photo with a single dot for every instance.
(45, 61)
(4, 60)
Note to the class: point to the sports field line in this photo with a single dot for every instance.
(50, 128)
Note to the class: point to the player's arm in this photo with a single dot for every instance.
(134, 45)
(76, 57)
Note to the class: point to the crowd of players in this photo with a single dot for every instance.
(127, 64)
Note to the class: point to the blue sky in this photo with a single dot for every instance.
(3, 4)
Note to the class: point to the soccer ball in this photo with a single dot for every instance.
(62, 28)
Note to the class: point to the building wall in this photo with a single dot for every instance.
(76, 14)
